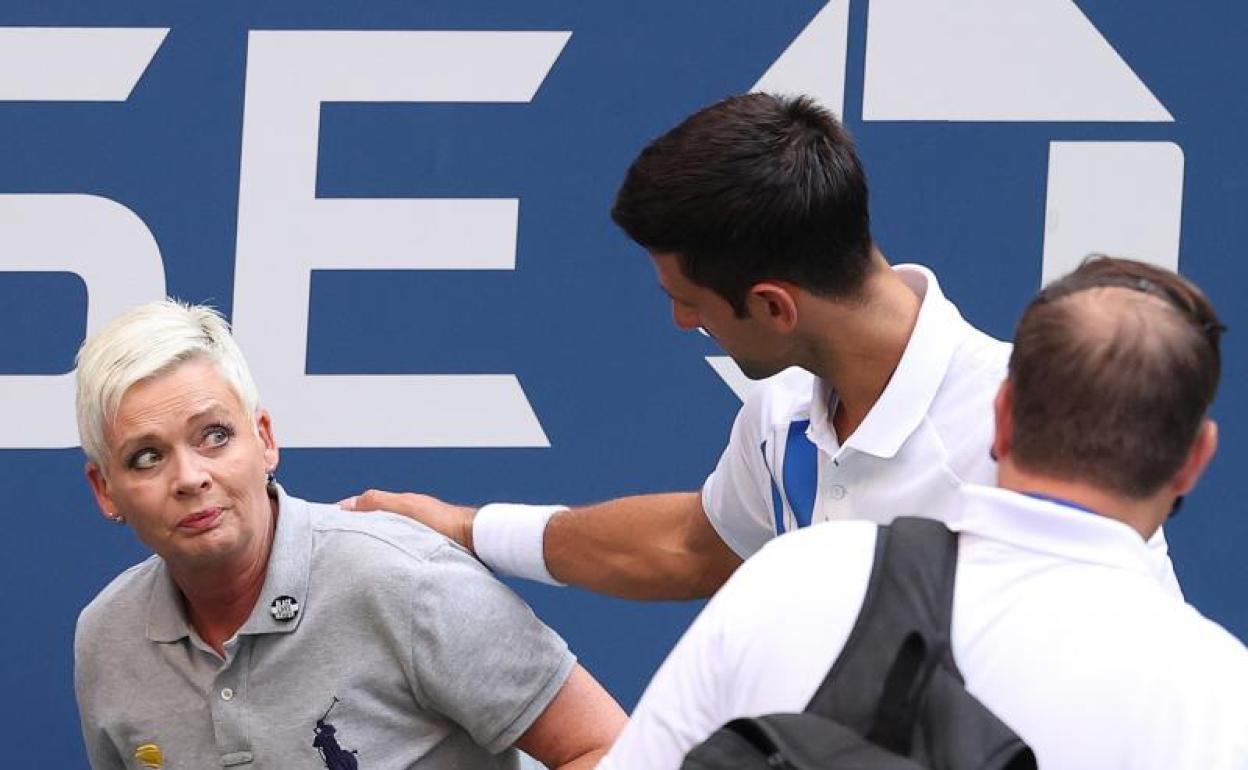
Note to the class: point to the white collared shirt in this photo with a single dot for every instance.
(929, 433)
(1063, 626)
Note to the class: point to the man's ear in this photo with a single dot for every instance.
(1198, 456)
(1003, 413)
(775, 303)
(99, 486)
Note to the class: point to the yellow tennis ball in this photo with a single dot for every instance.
(149, 755)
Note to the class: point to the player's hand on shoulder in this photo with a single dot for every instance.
(453, 521)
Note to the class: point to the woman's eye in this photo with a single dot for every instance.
(217, 435)
(144, 459)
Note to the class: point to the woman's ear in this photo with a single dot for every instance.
(264, 428)
(99, 487)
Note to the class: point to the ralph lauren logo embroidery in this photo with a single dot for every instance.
(334, 756)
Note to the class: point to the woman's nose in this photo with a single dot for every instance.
(191, 473)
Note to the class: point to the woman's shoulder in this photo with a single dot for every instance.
(119, 602)
(382, 537)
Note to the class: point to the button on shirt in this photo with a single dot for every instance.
(432, 662)
(1063, 626)
(930, 431)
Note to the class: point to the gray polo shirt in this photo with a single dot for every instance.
(433, 662)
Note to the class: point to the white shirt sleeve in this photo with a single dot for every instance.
(682, 705)
(737, 495)
(762, 645)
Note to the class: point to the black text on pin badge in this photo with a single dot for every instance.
(284, 608)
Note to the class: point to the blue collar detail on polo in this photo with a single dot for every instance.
(1051, 527)
(1061, 501)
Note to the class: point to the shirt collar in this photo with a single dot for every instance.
(1048, 526)
(908, 396)
(290, 560)
(166, 620)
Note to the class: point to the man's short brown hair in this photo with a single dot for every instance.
(1113, 371)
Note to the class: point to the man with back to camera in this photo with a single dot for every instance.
(754, 212)
(1062, 624)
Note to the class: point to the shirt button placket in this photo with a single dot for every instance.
(833, 489)
(228, 712)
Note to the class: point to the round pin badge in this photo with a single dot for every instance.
(284, 608)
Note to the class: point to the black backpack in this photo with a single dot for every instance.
(894, 699)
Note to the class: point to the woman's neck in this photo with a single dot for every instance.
(219, 599)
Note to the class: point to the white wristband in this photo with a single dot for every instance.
(508, 538)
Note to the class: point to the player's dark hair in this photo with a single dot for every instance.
(755, 187)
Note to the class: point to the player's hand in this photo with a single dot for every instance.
(453, 521)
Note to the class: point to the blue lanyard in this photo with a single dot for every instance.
(1060, 501)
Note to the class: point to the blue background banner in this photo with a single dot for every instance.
(974, 179)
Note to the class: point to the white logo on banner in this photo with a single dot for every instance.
(99, 240)
(285, 232)
(924, 62)
(984, 60)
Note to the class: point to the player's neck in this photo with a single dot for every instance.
(1145, 516)
(856, 345)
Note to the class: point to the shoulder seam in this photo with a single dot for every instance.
(391, 542)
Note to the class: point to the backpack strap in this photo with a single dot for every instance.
(900, 638)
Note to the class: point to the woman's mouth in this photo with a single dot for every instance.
(201, 519)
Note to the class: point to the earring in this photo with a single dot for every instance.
(118, 519)
(270, 482)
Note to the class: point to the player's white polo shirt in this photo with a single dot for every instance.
(928, 433)
(784, 468)
(1063, 625)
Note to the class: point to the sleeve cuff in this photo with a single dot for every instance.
(507, 537)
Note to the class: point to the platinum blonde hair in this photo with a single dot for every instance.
(146, 342)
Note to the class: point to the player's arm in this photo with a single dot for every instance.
(645, 547)
(658, 546)
(690, 695)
